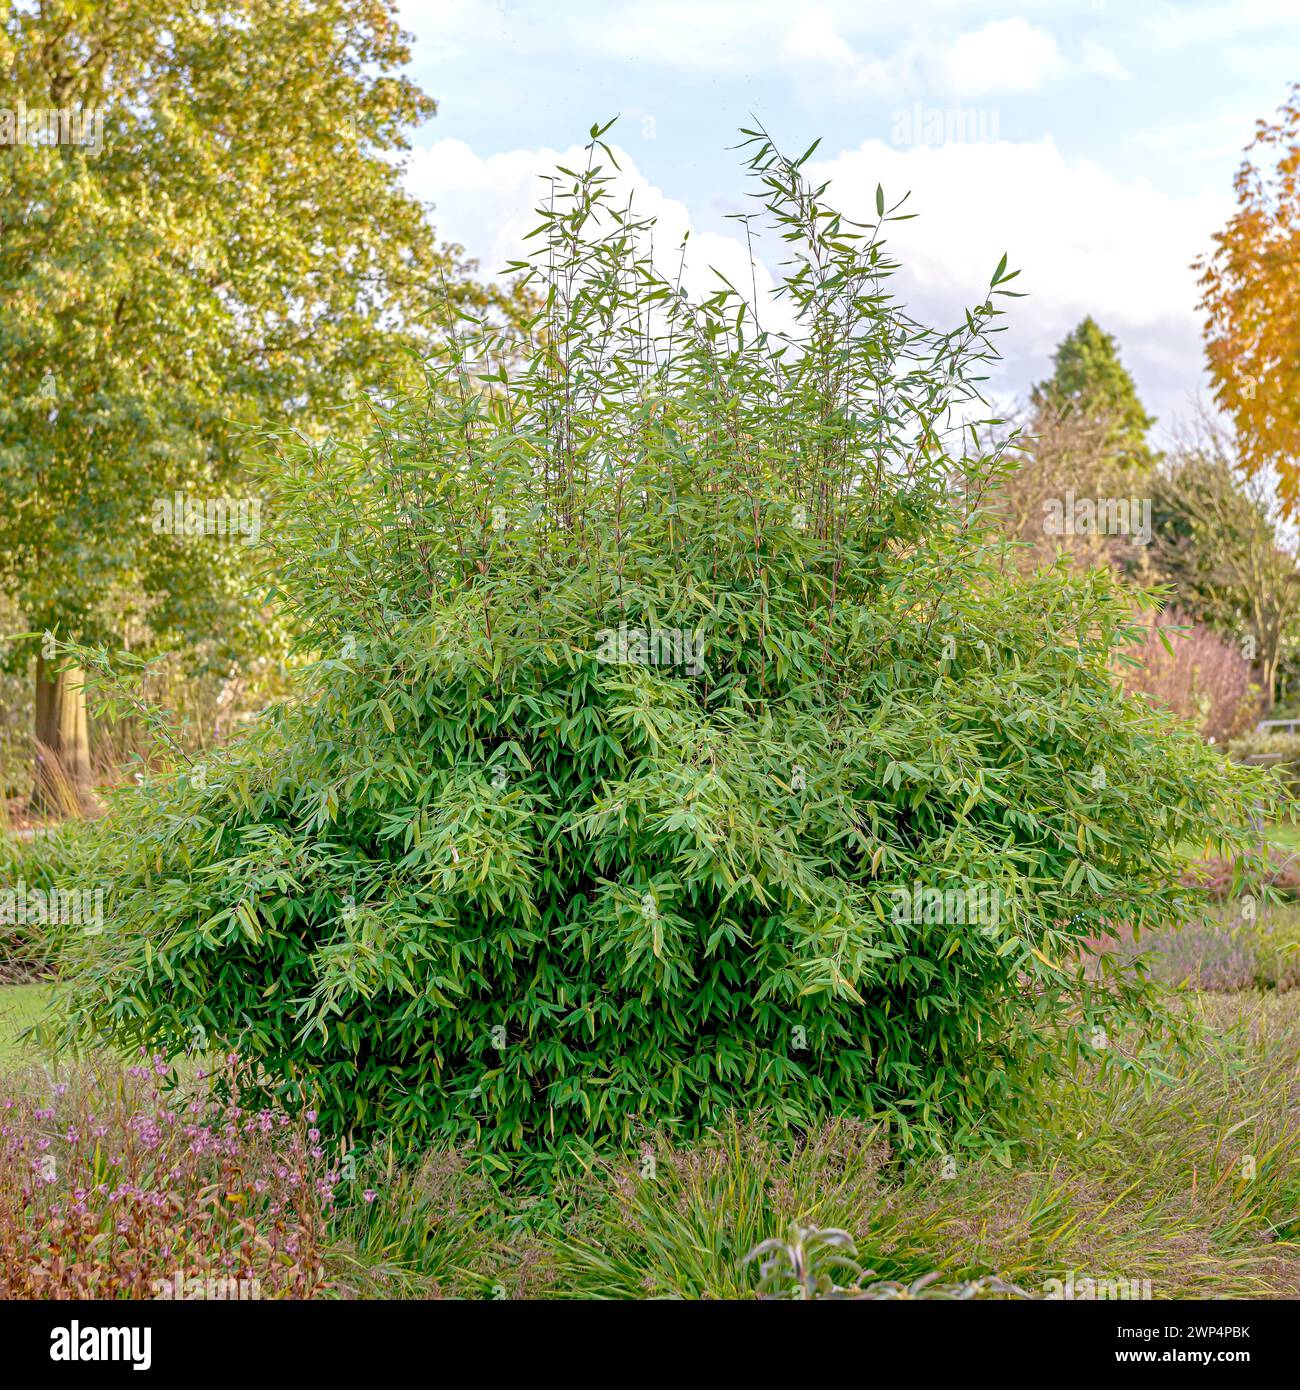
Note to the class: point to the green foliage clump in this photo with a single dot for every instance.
(660, 677)
(38, 876)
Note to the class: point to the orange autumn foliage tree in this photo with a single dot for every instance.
(1251, 299)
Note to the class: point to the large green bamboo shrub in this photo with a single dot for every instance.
(676, 742)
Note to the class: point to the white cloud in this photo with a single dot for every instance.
(814, 46)
(1008, 55)
(813, 37)
(1177, 23)
(830, 51)
(826, 51)
(720, 35)
(449, 29)
(1101, 62)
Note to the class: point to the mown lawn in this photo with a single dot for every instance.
(19, 1007)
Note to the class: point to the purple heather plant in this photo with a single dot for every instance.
(111, 1186)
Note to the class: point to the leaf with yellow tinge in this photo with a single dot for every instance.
(1051, 964)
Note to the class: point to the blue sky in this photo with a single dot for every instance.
(1094, 141)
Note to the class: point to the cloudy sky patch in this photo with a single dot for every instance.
(1094, 142)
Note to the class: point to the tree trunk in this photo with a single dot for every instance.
(62, 780)
(1269, 669)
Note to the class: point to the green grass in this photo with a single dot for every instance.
(19, 1007)
(1284, 834)
(1286, 837)
(1114, 1181)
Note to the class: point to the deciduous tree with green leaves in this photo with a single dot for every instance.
(234, 246)
(1218, 542)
